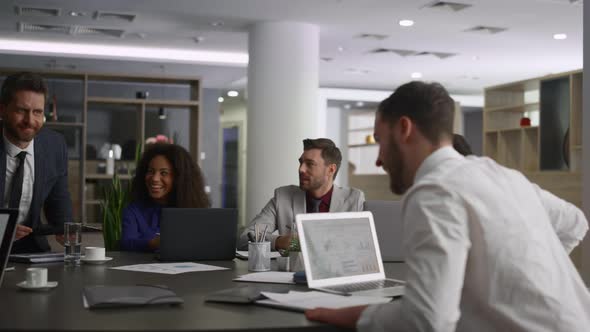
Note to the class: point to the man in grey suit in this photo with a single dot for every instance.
(318, 166)
(33, 164)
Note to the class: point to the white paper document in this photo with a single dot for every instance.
(272, 277)
(244, 254)
(169, 268)
(301, 301)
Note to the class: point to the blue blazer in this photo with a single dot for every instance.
(141, 222)
(50, 191)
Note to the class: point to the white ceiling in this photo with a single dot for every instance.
(526, 49)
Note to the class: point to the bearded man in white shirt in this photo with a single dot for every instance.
(486, 250)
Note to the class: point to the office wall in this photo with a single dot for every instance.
(473, 128)
(210, 124)
(586, 146)
(233, 113)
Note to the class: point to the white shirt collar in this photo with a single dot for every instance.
(12, 150)
(435, 159)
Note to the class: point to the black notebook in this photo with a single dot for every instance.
(128, 296)
(45, 257)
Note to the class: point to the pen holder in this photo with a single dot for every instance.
(259, 256)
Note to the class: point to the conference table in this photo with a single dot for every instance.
(61, 309)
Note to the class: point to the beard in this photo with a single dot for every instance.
(394, 166)
(311, 185)
(19, 133)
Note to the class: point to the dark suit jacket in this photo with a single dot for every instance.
(50, 190)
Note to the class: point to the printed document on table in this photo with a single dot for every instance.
(301, 301)
(272, 277)
(169, 268)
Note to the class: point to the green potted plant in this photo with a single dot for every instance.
(117, 196)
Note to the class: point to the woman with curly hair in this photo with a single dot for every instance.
(166, 176)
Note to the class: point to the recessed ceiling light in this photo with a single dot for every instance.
(406, 23)
(340, 49)
(232, 93)
(559, 36)
(73, 13)
(360, 104)
(347, 106)
(416, 75)
(220, 99)
(216, 23)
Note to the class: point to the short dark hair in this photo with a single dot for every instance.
(22, 81)
(330, 152)
(188, 188)
(461, 145)
(428, 105)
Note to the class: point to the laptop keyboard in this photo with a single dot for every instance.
(362, 286)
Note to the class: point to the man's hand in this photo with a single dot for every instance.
(60, 238)
(154, 243)
(283, 242)
(346, 317)
(22, 231)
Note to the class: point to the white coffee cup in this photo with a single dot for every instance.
(36, 276)
(94, 253)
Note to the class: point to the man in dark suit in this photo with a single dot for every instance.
(33, 164)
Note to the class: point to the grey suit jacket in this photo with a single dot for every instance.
(279, 214)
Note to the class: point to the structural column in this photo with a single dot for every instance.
(282, 103)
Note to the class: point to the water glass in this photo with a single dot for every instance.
(259, 256)
(72, 243)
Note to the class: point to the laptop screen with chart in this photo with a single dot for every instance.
(339, 249)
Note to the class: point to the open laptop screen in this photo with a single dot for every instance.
(7, 227)
(339, 245)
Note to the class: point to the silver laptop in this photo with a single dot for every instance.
(341, 254)
(7, 230)
(390, 228)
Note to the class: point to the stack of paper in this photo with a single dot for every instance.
(301, 301)
(272, 277)
(169, 268)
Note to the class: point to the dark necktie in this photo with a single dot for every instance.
(16, 189)
(316, 205)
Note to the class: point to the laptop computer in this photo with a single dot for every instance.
(341, 254)
(190, 234)
(7, 231)
(390, 228)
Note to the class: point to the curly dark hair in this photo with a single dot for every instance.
(188, 188)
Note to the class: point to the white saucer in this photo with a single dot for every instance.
(95, 261)
(48, 286)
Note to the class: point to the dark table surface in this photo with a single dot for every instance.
(61, 308)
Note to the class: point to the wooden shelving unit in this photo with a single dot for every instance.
(80, 90)
(540, 151)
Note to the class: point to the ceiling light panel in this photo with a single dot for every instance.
(37, 11)
(448, 5)
(114, 16)
(372, 36)
(409, 53)
(50, 28)
(485, 29)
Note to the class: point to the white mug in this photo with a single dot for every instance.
(36, 276)
(94, 253)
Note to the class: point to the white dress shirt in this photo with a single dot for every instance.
(12, 163)
(483, 253)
